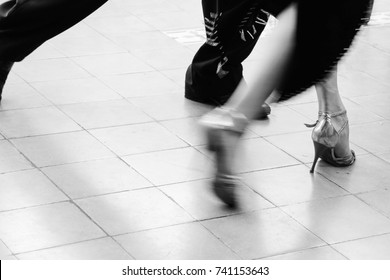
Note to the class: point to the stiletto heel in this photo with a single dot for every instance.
(326, 136)
(223, 127)
(319, 150)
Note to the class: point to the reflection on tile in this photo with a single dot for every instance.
(366, 174)
(373, 248)
(105, 114)
(75, 91)
(185, 242)
(26, 189)
(320, 253)
(95, 177)
(262, 234)
(133, 211)
(171, 166)
(11, 159)
(61, 148)
(291, 185)
(46, 226)
(139, 138)
(200, 202)
(339, 219)
(100, 249)
(38, 121)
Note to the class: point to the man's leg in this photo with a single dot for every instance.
(26, 24)
(233, 28)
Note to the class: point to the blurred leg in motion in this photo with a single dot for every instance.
(224, 126)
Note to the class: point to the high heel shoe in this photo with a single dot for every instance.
(5, 68)
(223, 128)
(326, 137)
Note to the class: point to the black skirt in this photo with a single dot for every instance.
(325, 31)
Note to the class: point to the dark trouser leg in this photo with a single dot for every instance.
(239, 25)
(5, 68)
(26, 24)
(369, 12)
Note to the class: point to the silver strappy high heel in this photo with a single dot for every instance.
(326, 137)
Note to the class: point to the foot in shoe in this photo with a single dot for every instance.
(224, 188)
(331, 140)
(224, 128)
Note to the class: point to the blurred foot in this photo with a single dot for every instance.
(224, 128)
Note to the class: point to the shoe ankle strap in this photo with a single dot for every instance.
(331, 115)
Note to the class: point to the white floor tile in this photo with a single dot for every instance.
(11, 159)
(339, 219)
(62, 148)
(46, 226)
(133, 211)
(27, 188)
(138, 138)
(185, 242)
(95, 177)
(100, 249)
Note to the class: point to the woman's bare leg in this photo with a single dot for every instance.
(329, 101)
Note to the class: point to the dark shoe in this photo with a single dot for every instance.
(5, 68)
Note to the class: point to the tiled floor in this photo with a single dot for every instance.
(101, 156)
